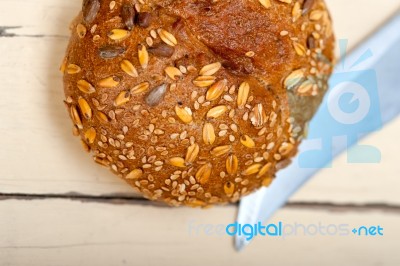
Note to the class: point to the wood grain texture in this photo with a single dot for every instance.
(36, 131)
(83, 215)
(63, 232)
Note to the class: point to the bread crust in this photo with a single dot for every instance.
(196, 102)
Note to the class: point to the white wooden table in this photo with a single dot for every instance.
(58, 208)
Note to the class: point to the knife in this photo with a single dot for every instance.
(371, 75)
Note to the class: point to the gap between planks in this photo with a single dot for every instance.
(121, 200)
(4, 33)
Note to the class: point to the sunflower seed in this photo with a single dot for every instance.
(143, 19)
(156, 95)
(210, 69)
(311, 42)
(109, 52)
(184, 114)
(118, 34)
(216, 90)
(162, 50)
(85, 86)
(217, 111)
(307, 6)
(128, 16)
(85, 108)
(253, 169)
(143, 56)
(232, 164)
(129, 68)
(220, 150)
(167, 37)
(142, 87)
(109, 82)
(192, 153)
(90, 8)
(229, 188)
(177, 161)
(204, 81)
(247, 141)
(203, 174)
(90, 135)
(134, 174)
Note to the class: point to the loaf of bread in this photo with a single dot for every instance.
(196, 102)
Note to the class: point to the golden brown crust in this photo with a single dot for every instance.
(196, 102)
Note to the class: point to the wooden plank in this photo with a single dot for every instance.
(62, 232)
(358, 183)
(38, 17)
(352, 19)
(39, 155)
(37, 130)
(355, 20)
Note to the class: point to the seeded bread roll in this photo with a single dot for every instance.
(196, 102)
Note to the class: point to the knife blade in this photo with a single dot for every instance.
(377, 89)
